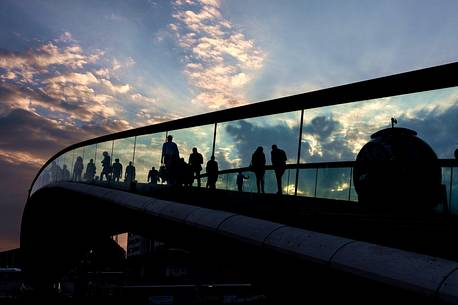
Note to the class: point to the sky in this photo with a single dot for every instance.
(74, 70)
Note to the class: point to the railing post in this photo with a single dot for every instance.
(214, 139)
(133, 155)
(351, 178)
(316, 180)
(299, 152)
(450, 195)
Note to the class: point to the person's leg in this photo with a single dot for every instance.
(198, 178)
(258, 181)
(262, 183)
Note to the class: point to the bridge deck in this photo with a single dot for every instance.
(426, 233)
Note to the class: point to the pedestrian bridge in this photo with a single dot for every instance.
(317, 226)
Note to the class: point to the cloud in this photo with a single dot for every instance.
(246, 137)
(220, 60)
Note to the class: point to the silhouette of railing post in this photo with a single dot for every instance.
(299, 152)
(316, 181)
(450, 190)
(349, 188)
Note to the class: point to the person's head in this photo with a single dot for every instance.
(79, 158)
(259, 149)
(117, 160)
(194, 150)
(169, 138)
(130, 162)
(91, 161)
(152, 168)
(274, 147)
(212, 158)
(105, 153)
(65, 166)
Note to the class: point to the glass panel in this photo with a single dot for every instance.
(200, 137)
(104, 152)
(333, 183)
(237, 140)
(123, 153)
(148, 151)
(337, 133)
(306, 182)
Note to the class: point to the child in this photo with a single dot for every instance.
(240, 178)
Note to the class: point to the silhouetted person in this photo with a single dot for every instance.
(117, 170)
(278, 158)
(195, 161)
(65, 173)
(56, 172)
(258, 165)
(163, 173)
(212, 173)
(130, 173)
(153, 176)
(78, 169)
(106, 166)
(456, 154)
(170, 157)
(90, 170)
(240, 178)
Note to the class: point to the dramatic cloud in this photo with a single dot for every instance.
(220, 60)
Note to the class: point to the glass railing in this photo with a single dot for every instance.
(321, 133)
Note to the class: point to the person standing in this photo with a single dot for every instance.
(258, 165)
(130, 173)
(90, 171)
(170, 157)
(212, 173)
(153, 176)
(117, 170)
(78, 169)
(278, 158)
(195, 161)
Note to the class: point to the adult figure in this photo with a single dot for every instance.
(65, 173)
(195, 161)
(78, 169)
(130, 173)
(90, 171)
(106, 166)
(117, 170)
(278, 158)
(240, 178)
(153, 176)
(212, 173)
(170, 157)
(258, 165)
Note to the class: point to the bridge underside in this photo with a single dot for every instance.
(62, 222)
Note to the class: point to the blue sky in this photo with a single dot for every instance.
(73, 70)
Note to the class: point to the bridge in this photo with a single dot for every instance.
(318, 230)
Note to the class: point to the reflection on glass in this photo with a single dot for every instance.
(148, 149)
(333, 183)
(306, 182)
(337, 133)
(236, 141)
(123, 153)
